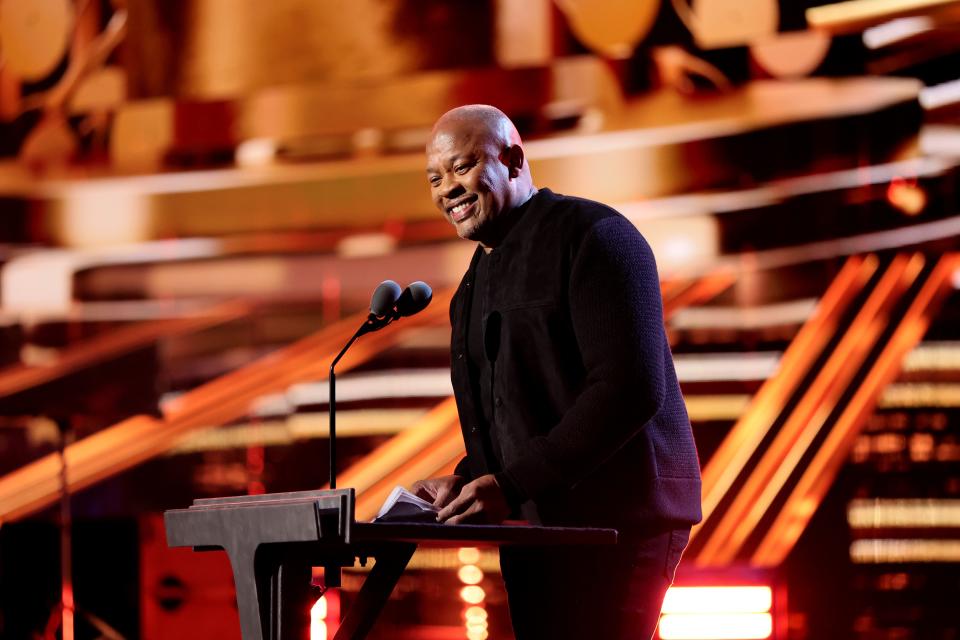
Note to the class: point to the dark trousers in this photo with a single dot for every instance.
(591, 592)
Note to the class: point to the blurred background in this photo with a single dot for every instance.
(198, 196)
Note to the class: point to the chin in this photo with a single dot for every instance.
(468, 230)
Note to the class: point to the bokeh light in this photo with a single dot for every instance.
(470, 574)
(472, 594)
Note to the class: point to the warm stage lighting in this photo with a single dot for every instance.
(476, 626)
(475, 622)
(718, 600)
(256, 152)
(730, 626)
(889, 33)
(318, 622)
(468, 555)
(716, 613)
(920, 513)
(904, 551)
(906, 195)
(475, 614)
(472, 594)
(470, 574)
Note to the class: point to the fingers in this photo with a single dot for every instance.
(473, 514)
(439, 491)
(422, 489)
(444, 495)
(479, 501)
(466, 507)
(457, 505)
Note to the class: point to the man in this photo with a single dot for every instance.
(568, 400)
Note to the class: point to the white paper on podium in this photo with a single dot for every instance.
(403, 506)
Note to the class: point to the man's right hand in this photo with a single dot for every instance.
(440, 491)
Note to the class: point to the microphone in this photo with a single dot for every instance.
(414, 299)
(388, 303)
(384, 298)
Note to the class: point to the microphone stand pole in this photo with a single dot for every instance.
(373, 323)
(66, 612)
(66, 561)
(331, 573)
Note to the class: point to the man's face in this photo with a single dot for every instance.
(469, 182)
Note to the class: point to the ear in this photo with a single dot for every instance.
(512, 156)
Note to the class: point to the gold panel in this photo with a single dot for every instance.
(226, 48)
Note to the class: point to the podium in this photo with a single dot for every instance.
(274, 540)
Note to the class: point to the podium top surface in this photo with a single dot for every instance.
(296, 517)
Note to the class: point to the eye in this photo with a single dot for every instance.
(434, 181)
(463, 168)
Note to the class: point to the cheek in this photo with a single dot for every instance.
(486, 184)
(493, 180)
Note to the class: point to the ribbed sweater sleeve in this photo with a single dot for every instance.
(616, 313)
(463, 468)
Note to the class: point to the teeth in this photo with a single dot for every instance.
(460, 207)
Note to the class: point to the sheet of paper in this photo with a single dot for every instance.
(403, 506)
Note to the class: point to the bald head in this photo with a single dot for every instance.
(481, 117)
(477, 170)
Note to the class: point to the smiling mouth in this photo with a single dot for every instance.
(462, 210)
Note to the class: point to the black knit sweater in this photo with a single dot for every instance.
(587, 412)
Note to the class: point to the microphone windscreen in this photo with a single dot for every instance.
(414, 299)
(384, 297)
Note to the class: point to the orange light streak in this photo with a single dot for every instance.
(137, 439)
(114, 343)
(423, 463)
(728, 462)
(398, 450)
(850, 16)
(805, 422)
(819, 475)
(702, 290)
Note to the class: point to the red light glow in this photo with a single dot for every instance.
(318, 622)
(730, 626)
(699, 600)
(906, 195)
(717, 613)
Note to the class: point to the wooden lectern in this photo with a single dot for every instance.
(274, 540)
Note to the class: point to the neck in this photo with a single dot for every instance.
(505, 223)
(526, 195)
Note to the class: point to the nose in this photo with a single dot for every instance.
(450, 187)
